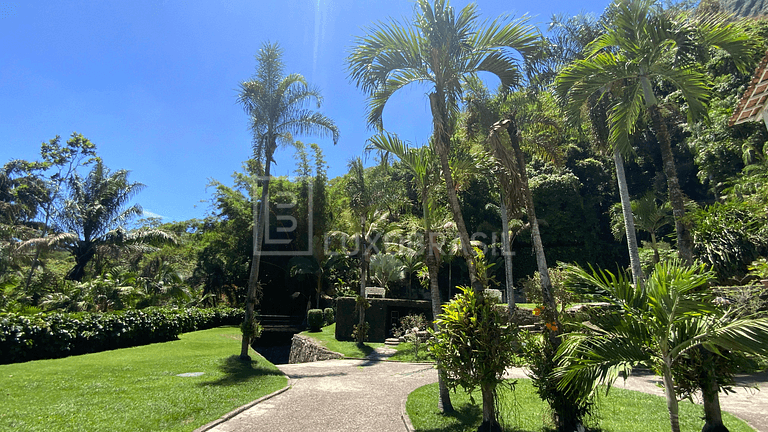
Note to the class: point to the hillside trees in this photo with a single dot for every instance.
(645, 46)
(93, 216)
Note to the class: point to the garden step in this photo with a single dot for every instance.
(392, 341)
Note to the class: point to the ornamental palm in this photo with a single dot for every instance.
(644, 45)
(442, 49)
(277, 108)
(652, 326)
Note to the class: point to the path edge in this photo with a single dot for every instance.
(236, 411)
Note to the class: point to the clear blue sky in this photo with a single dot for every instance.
(153, 83)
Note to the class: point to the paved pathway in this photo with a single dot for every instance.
(368, 395)
(336, 395)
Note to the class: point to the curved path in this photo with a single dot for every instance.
(336, 395)
(368, 395)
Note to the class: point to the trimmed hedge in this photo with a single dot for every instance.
(329, 316)
(53, 335)
(315, 319)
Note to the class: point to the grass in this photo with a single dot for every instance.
(327, 338)
(405, 351)
(522, 411)
(136, 389)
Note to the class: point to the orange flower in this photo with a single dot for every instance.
(551, 326)
(538, 310)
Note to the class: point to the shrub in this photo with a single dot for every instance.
(571, 405)
(474, 344)
(315, 319)
(55, 335)
(408, 323)
(493, 295)
(360, 333)
(532, 288)
(329, 316)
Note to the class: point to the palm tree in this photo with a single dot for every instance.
(442, 49)
(93, 216)
(526, 124)
(650, 217)
(652, 326)
(365, 201)
(386, 268)
(507, 237)
(422, 162)
(277, 109)
(644, 45)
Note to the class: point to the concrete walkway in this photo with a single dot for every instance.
(336, 395)
(369, 395)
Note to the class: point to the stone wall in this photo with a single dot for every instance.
(305, 350)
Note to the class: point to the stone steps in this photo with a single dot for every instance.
(392, 341)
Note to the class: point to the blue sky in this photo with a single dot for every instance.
(153, 83)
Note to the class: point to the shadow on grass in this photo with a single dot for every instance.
(464, 415)
(365, 348)
(237, 371)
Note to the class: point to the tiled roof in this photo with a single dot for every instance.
(752, 103)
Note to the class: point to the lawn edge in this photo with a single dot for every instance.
(404, 415)
(236, 411)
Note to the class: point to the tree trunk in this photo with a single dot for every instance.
(260, 215)
(684, 240)
(629, 220)
(669, 391)
(432, 251)
(441, 137)
(550, 312)
(489, 408)
(713, 417)
(84, 252)
(363, 278)
(507, 251)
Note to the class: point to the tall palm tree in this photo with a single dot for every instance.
(422, 163)
(93, 216)
(442, 49)
(644, 45)
(653, 326)
(277, 107)
(527, 124)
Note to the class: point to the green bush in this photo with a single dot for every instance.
(474, 344)
(315, 319)
(54, 335)
(329, 316)
(493, 295)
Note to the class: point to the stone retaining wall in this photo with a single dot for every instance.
(305, 350)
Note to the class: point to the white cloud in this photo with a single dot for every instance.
(149, 214)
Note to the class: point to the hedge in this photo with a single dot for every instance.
(55, 335)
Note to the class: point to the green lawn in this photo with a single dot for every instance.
(405, 351)
(327, 338)
(523, 411)
(136, 389)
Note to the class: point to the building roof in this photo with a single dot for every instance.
(753, 101)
